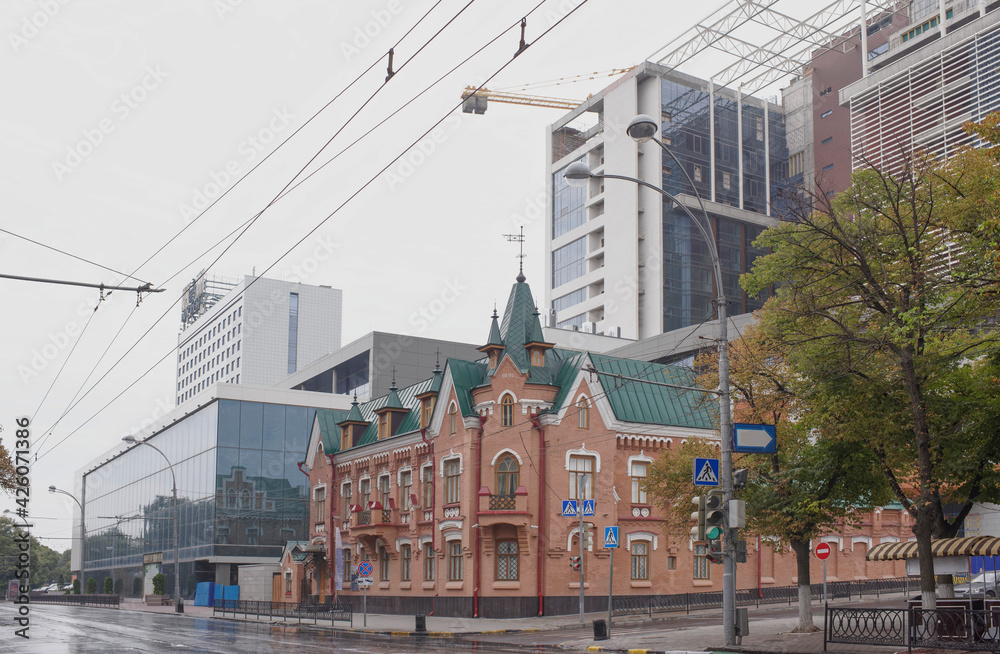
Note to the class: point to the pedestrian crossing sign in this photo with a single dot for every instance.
(611, 537)
(569, 508)
(706, 472)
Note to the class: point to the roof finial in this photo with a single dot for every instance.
(518, 238)
(393, 387)
(437, 360)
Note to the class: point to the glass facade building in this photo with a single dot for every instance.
(241, 496)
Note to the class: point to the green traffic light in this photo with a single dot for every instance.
(713, 533)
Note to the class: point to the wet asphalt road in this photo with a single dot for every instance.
(85, 630)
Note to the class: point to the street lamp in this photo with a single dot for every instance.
(642, 128)
(83, 526)
(178, 606)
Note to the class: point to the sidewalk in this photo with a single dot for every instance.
(676, 633)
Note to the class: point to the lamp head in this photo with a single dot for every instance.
(52, 489)
(577, 174)
(641, 128)
(129, 439)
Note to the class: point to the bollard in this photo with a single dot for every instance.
(600, 630)
(421, 624)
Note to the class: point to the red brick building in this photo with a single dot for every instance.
(452, 488)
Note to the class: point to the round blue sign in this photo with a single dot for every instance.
(365, 569)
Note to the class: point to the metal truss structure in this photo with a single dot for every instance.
(734, 29)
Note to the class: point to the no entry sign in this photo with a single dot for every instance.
(822, 551)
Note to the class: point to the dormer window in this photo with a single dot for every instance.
(493, 360)
(345, 438)
(383, 426)
(538, 357)
(426, 409)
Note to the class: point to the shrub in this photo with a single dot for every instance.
(76, 586)
(159, 582)
(91, 586)
(109, 585)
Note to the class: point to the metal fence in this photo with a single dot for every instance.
(687, 602)
(946, 628)
(77, 600)
(285, 610)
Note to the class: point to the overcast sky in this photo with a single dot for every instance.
(122, 120)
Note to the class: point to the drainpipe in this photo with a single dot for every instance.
(329, 532)
(423, 437)
(541, 505)
(479, 485)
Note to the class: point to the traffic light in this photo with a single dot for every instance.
(714, 516)
(588, 536)
(699, 516)
(714, 526)
(574, 562)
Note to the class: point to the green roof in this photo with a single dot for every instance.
(495, 338)
(520, 322)
(635, 401)
(466, 375)
(328, 420)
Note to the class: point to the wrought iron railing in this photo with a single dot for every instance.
(364, 518)
(650, 604)
(78, 600)
(386, 516)
(502, 503)
(315, 611)
(943, 628)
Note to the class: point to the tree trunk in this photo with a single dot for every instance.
(801, 549)
(927, 504)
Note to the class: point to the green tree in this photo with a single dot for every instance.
(8, 478)
(76, 586)
(159, 583)
(881, 321)
(91, 586)
(109, 585)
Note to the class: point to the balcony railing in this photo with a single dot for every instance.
(364, 518)
(502, 503)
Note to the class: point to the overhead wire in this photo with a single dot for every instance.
(341, 206)
(73, 256)
(235, 184)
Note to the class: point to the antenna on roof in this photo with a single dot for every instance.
(518, 238)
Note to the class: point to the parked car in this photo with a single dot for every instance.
(987, 583)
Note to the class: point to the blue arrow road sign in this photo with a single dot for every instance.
(754, 438)
(611, 537)
(706, 472)
(588, 507)
(569, 508)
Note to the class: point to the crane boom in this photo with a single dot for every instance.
(476, 101)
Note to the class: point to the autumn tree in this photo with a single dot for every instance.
(794, 495)
(881, 303)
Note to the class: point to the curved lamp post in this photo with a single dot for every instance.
(178, 604)
(643, 128)
(83, 526)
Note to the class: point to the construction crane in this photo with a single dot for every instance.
(475, 101)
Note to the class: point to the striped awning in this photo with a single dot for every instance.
(969, 546)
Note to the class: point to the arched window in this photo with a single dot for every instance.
(507, 475)
(245, 498)
(583, 413)
(231, 498)
(452, 420)
(507, 411)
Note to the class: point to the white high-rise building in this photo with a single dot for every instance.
(259, 333)
(624, 262)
